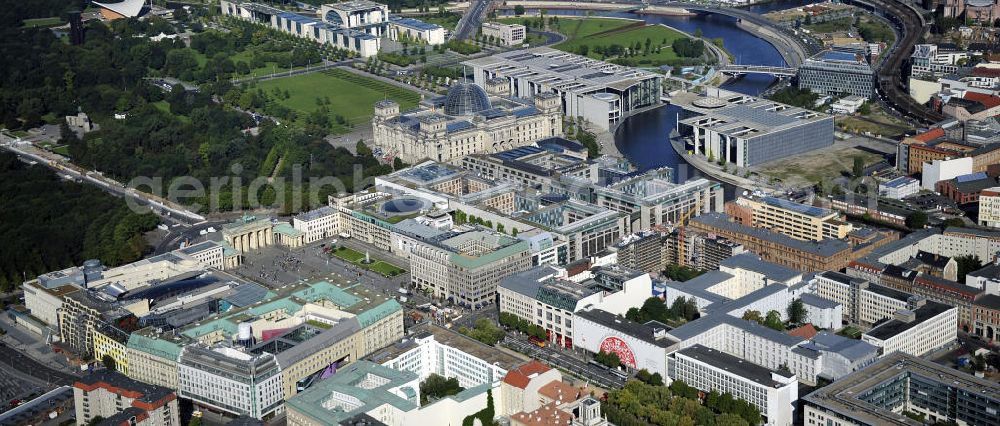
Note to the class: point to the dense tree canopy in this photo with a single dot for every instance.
(47, 223)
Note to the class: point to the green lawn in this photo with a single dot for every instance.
(43, 22)
(831, 26)
(449, 21)
(599, 33)
(165, 107)
(384, 268)
(351, 96)
(380, 266)
(349, 255)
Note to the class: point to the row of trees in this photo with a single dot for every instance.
(645, 404)
(522, 325)
(772, 320)
(609, 359)
(484, 331)
(654, 309)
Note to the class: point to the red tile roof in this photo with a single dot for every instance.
(521, 376)
(806, 331)
(988, 101)
(929, 135)
(986, 72)
(559, 392)
(546, 415)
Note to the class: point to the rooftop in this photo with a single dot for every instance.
(358, 388)
(744, 116)
(505, 359)
(644, 332)
(562, 71)
(751, 262)
(521, 376)
(118, 383)
(845, 396)
(827, 247)
(890, 328)
(735, 366)
(546, 415)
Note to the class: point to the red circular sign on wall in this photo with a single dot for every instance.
(619, 347)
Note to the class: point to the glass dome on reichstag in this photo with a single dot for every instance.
(466, 99)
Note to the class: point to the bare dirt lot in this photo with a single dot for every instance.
(825, 164)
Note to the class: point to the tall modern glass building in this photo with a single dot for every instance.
(838, 71)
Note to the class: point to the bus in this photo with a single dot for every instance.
(619, 373)
(538, 342)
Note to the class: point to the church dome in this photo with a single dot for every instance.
(466, 99)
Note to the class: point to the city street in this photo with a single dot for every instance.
(566, 360)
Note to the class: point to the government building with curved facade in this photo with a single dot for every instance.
(468, 120)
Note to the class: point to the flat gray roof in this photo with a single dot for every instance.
(734, 365)
(841, 396)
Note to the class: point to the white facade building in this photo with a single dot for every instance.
(899, 188)
(506, 34)
(989, 207)
(230, 380)
(414, 30)
(638, 346)
(916, 332)
(547, 297)
(773, 392)
(939, 170)
(317, 224)
(427, 354)
(847, 105)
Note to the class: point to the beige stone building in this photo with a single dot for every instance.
(466, 121)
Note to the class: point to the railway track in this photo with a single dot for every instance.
(910, 24)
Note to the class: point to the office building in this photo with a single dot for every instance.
(465, 267)
(638, 346)
(986, 317)
(838, 72)
(108, 395)
(825, 255)
(415, 31)
(899, 188)
(841, 355)
(931, 326)
(989, 207)
(600, 92)
(382, 396)
(466, 121)
(504, 34)
(230, 380)
(548, 297)
(879, 393)
(865, 304)
(539, 167)
(587, 228)
(652, 199)
(797, 220)
(433, 349)
(353, 25)
(746, 131)
(317, 224)
(773, 392)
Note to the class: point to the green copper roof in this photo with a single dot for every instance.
(314, 401)
(376, 313)
(323, 290)
(469, 262)
(286, 229)
(154, 346)
(195, 332)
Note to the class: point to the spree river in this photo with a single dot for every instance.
(642, 138)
